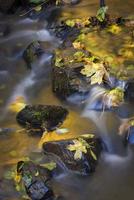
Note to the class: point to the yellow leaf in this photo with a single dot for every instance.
(38, 8)
(17, 178)
(114, 29)
(37, 173)
(18, 104)
(93, 154)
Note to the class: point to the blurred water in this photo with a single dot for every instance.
(114, 177)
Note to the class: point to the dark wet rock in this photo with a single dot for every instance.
(11, 6)
(38, 118)
(27, 6)
(4, 30)
(7, 5)
(6, 131)
(125, 111)
(129, 91)
(130, 135)
(67, 79)
(66, 33)
(33, 52)
(36, 180)
(84, 165)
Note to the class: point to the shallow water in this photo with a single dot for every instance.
(114, 178)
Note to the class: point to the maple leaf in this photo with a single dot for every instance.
(96, 71)
(80, 146)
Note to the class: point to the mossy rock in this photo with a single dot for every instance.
(41, 117)
(32, 53)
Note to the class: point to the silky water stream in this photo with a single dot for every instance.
(114, 176)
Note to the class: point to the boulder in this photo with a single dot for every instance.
(38, 118)
(67, 78)
(79, 155)
(36, 180)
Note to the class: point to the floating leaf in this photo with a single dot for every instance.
(13, 153)
(9, 175)
(17, 178)
(88, 136)
(38, 8)
(114, 29)
(70, 23)
(81, 37)
(127, 53)
(115, 97)
(50, 166)
(62, 130)
(77, 45)
(18, 104)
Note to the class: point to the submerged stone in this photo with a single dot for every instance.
(66, 33)
(36, 180)
(79, 155)
(32, 53)
(130, 136)
(38, 118)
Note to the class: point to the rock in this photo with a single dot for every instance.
(7, 5)
(33, 52)
(10, 6)
(38, 118)
(130, 136)
(36, 180)
(79, 155)
(64, 32)
(129, 91)
(67, 78)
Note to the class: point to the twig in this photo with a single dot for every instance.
(33, 8)
(102, 3)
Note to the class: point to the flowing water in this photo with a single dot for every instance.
(114, 176)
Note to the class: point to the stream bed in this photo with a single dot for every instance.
(114, 176)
